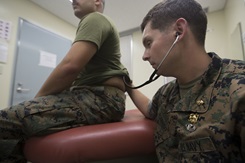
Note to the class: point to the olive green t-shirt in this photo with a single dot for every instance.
(98, 29)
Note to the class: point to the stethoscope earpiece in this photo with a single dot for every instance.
(177, 34)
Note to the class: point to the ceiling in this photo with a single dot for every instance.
(126, 14)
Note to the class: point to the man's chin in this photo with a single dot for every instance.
(77, 14)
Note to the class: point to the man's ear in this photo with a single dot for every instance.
(97, 2)
(99, 5)
(181, 26)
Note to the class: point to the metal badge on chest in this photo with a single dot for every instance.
(193, 118)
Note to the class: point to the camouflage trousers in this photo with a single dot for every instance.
(53, 113)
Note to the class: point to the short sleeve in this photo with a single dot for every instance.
(95, 28)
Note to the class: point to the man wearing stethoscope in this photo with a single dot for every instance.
(201, 115)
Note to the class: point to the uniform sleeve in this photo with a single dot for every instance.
(159, 98)
(153, 105)
(94, 28)
(240, 118)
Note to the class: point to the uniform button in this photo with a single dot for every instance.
(190, 127)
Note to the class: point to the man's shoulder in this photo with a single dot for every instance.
(96, 19)
(232, 76)
(167, 88)
(231, 66)
(95, 16)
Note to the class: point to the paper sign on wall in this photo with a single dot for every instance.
(5, 29)
(47, 59)
(3, 53)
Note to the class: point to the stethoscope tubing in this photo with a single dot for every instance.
(154, 75)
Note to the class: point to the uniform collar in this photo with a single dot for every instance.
(197, 99)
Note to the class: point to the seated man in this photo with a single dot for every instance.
(85, 88)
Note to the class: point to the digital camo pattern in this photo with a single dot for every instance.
(218, 103)
(48, 114)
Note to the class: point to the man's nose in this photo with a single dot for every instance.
(145, 56)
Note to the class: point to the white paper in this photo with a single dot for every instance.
(5, 29)
(3, 53)
(47, 59)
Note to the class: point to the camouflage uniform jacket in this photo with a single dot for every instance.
(208, 124)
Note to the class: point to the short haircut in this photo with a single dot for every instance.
(167, 12)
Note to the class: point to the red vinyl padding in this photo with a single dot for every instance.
(133, 136)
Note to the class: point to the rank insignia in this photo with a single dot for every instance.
(193, 118)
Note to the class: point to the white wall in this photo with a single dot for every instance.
(222, 25)
(216, 37)
(234, 14)
(11, 10)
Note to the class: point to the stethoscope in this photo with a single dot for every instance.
(154, 75)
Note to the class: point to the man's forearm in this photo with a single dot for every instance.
(140, 101)
(58, 81)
